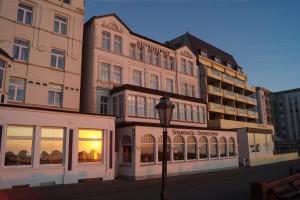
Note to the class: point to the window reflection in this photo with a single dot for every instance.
(213, 147)
(160, 148)
(178, 152)
(52, 143)
(90, 146)
(18, 145)
(147, 149)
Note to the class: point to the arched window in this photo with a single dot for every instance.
(223, 147)
(178, 144)
(160, 148)
(126, 149)
(203, 147)
(147, 149)
(231, 146)
(191, 148)
(213, 147)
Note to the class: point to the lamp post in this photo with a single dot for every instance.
(165, 110)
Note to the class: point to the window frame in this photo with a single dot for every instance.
(189, 143)
(148, 143)
(2, 71)
(118, 44)
(126, 145)
(117, 73)
(59, 19)
(106, 40)
(25, 12)
(22, 49)
(207, 148)
(137, 78)
(182, 145)
(57, 56)
(55, 91)
(16, 89)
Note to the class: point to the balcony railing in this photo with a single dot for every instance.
(242, 110)
(251, 99)
(250, 87)
(230, 108)
(239, 82)
(251, 112)
(215, 72)
(228, 77)
(215, 107)
(216, 89)
(229, 93)
(240, 97)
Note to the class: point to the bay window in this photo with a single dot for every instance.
(151, 107)
(131, 105)
(141, 107)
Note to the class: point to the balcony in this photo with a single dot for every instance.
(228, 79)
(242, 112)
(214, 90)
(213, 73)
(250, 87)
(215, 107)
(229, 94)
(239, 83)
(240, 97)
(251, 100)
(230, 110)
(252, 114)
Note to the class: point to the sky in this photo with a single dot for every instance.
(262, 35)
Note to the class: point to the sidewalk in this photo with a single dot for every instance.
(230, 184)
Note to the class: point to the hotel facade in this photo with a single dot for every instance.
(44, 139)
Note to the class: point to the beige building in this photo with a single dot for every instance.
(44, 38)
(265, 106)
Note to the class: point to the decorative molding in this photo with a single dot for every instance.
(186, 54)
(112, 26)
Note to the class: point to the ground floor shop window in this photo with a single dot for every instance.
(223, 147)
(213, 143)
(231, 146)
(19, 145)
(147, 149)
(178, 152)
(203, 148)
(52, 146)
(191, 148)
(90, 145)
(160, 148)
(126, 149)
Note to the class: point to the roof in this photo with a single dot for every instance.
(4, 53)
(130, 31)
(287, 91)
(197, 45)
(155, 92)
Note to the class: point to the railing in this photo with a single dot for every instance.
(240, 96)
(230, 108)
(250, 99)
(217, 106)
(251, 112)
(240, 82)
(242, 110)
(250, 86)
(228, 77)
(216, 89)
(229, 93)
(215, 72)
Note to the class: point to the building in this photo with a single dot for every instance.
(265, 106)
(44, 139)
(223, 84)
(125, 74)
(286, 105)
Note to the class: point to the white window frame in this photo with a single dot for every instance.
(118, 44)
(117, 74)
(22, 8)
(154, 82)
(137, 78)
(169, 85)
(105, 72)
(58, 54)
(60, 20)
(106, 40)
(22, 49)
(56, 90)
(17, 87)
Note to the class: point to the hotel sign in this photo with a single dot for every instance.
(191, 132)
(151, 47)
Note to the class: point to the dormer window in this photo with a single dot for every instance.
(217, 60)
(228, 64)
(204, 53)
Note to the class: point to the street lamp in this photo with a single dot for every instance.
(165, 110)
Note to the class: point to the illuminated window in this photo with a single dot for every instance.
(178, 144)
(25, 14)
(18, 145)
(60, 25)
(160, 148)
(223, 147)
(203, 147)
(126, 149)
(52, 146)
(191, 148)
(90, 146)
(231, 146)
(106, 40)
(213, 147)
(147, 149)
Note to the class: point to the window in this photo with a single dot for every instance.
(2, 65)
(18, 145)
(169, 85)
(191, 148)
(203, 148)
(154, 82)
(16, 89)
(160, 148)
(90, 146)
(189, 113)
(182, 112)
(55, 95)
(213, 143)
(60, 25)
(189, 69)
(217, 59)
(183, 65)
(156, 59)
(57, 59)
(151, 107)
(120, 106)
(137, 78)
(172, 63)
(175, 112)
(141, 107)
(132, 51)
(106, 40)
(21, 50)
(118, 44)
(105, 72)
(196, 114)
(131, 105)
(149, 56)
(231, 146)
(178, 152)
(126, 149)
(223, 147)
(117, 74)
(52, 146)
(140, 54)
(190, 90)
(147, 149)
(202, 114)
(184, 88)
(115, 105)
(104, 105)
(25, 14)
(67, 1)
(204, 53)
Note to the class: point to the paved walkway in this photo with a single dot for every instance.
(229, 184)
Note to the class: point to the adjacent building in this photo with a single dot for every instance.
(265, 106)
(44, 139)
